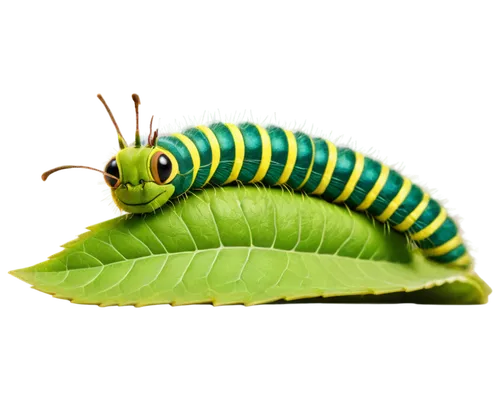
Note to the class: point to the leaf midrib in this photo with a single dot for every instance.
(197, 251)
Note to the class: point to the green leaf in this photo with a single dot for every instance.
(247, 245)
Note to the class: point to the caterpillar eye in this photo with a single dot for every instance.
(161, 168)
(112, 169)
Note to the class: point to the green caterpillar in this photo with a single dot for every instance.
(143, 177)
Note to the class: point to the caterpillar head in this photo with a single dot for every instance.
(140, 176)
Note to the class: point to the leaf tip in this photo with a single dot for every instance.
(12, 273)
(25, 274)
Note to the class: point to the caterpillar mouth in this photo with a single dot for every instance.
(141, 204)
(143, 198)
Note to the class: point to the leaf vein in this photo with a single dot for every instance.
(140, 241)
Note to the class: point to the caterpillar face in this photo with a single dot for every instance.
(145, 175)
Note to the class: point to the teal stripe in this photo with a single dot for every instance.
(387, 194)
(430, 213)
(203, 145)
(253, 152)
(346, 159)
(227, 153)
(183, 179)
(319, 166)
(370, 174)
(303, 161)
(450, 256)
(411, 202)
(279, 146)
(448, 230)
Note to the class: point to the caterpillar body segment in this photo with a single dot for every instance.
(224, 153)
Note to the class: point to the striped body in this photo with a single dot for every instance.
(224, 153)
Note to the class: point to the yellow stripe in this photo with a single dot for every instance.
(265, 161)
(463, 261)
(239, 149)
(414, 215)
(396, 202)
(376, 189)
(309, 170)
(291, 158)
(214, 146)
(445, 247)
(330, 166)
(431, 228)
(353, 179)
(195, 156)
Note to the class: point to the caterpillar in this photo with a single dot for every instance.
(147, 174)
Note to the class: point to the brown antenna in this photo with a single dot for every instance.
(121, 140)
(46, 174)
(153, 132)
(137, 101)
